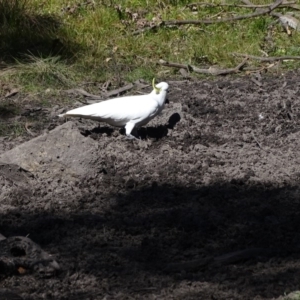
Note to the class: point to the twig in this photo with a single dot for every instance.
(257, 142)
(28, 130)
(209, 71)
(268, 59)
(257, 82)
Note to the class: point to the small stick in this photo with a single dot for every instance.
(257, 142)
(28, 130)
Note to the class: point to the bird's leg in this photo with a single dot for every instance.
(134, 132)
(128, 128)
(131, 137)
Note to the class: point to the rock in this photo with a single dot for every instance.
(20, 255)
(63, 150)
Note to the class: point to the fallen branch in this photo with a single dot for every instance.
(215, 71)
(268, 59)
(104, 95)
(208, 21)
(209, 71)
(174, 65)
(84, 93)
(205, 21)
(250, 70)
(283, 4)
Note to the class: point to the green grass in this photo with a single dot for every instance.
(13, 129)
(55, 46)
(50, 71)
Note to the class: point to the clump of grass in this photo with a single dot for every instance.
(50, 72)
(13, 129)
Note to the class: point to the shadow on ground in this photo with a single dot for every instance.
(26, 32)
(167, 237)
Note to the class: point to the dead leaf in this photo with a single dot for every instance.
(11, 93)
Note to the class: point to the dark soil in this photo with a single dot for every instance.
(206, 206)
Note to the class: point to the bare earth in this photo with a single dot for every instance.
(206, 206)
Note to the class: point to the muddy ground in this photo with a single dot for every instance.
(206, 206)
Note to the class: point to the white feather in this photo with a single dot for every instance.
(130, 111)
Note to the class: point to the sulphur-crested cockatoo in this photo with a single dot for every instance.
(129, 111)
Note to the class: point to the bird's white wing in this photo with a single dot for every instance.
(119, 111)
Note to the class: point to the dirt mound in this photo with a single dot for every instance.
(205, 206)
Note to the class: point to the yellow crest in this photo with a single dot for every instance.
(157, 90)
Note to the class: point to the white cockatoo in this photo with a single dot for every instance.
(129, 111)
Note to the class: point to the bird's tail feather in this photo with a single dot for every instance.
(79, 116)
(72, 115)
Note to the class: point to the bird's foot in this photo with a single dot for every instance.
(132, 137)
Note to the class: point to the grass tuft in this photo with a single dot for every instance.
(33, 71)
